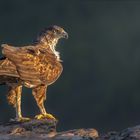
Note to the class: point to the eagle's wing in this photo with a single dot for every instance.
(26, 62)
(7, 68)
(8, 72)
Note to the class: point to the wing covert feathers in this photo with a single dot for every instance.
(33, 65)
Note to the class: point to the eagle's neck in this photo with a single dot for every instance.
(49, 44)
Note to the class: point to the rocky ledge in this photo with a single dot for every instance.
(46, 130)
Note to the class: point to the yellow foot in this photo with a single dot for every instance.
(45, 116)
(21, 119)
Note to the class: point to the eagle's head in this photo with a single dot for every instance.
(51, 33)
(56, 32)
(49, 37)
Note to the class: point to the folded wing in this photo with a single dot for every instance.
(8, 72)
(25, 61)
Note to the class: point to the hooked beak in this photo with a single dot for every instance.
(65, 35)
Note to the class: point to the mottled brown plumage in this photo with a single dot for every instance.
(35, 66)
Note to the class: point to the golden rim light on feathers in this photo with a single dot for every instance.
(35, 66)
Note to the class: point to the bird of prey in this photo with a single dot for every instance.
(36, 66)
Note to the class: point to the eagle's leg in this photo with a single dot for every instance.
(39, 94)
(14, 98)
(18, 105)
(18, 102)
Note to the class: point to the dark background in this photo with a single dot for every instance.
(100, 84)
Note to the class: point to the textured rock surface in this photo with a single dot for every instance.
(132, 133)
(77, 134)
(33, 126)
(46, 130)
(42, 130)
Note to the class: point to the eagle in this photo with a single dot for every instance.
(34, 66)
